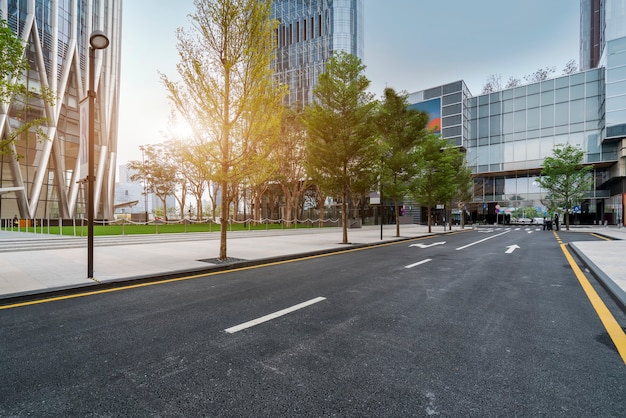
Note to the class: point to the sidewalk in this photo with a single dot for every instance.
(31, 272)
(605, 259)
(37, 271)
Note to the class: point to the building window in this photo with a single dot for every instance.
(319, 29)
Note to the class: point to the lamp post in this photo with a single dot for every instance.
(382, 168)
(97, 40)
(145, 184)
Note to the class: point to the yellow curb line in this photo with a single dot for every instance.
(196, 276)
(614, 330)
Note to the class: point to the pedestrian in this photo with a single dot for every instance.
(15, 221)
(545, 223)
(556, 221)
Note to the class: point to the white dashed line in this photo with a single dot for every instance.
(418, 263)
(274, 315)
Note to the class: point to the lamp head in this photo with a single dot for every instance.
(98, 40)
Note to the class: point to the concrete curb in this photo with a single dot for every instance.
(617, 293)
(29, 296)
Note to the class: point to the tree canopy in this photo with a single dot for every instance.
(13, 64)
(157, 170)
(341, 145)
(435, 181)
(565, 179)
(227, 93)
(401, 130)
(494, 83)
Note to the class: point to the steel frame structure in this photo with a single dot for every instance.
(44, 179)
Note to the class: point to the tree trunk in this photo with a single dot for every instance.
(164, 201)
(288, 211)
(429, 220)
(462, 216)
(344, 216)
(397, 211)
(257, 208)
(199, 208)
(320, 206)
(224, 220)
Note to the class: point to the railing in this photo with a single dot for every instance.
(78, 226)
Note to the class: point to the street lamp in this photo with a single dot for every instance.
(387, 154)
(97, 40)
(145, 184)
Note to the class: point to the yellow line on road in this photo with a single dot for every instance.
(601, 237)
(557, 237)
(197, 276)
(612, 327)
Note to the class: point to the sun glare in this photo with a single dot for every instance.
(181, 130)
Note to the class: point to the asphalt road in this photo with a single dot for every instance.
(477, 323)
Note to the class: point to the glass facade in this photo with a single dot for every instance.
(616, 88)
(600, 22)
(309, 32)
(447, 107)
(591, 16)
(507, 134)
(41, 179)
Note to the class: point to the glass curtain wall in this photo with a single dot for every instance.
(309, 32)
(39, 178)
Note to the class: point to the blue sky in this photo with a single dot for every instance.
(410, 45)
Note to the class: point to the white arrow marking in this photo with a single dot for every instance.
(418, 263)
(427, 245)
(511, 248)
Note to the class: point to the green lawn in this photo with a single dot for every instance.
(133, 229)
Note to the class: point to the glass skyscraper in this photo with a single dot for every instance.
(600, 22)
(309, 32)
(41, 179)
(507, 134)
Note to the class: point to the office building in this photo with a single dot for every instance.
(600, 22)
(309, 32)
(45, 181)
(507, 134)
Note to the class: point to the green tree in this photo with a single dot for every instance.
(401, 130)
(341, 148)
(463, 183)
(195, 171)
(227, 93)
(159, 172)
(13, 64)
(435, 180)
(565, 179)
(290, 155)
